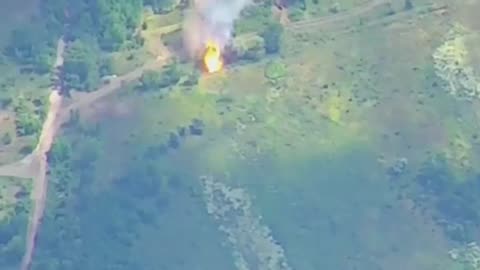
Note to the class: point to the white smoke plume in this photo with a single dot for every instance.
(211, 20)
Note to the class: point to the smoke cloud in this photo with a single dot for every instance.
(211, 20)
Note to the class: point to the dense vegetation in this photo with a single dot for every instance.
(81, 67)
(92, 26)
(152, 80)
(13, 224)
(95, 222)
(272, 36)
(455, 201)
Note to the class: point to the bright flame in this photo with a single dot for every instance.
(213, 58)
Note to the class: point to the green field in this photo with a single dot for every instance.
(353, 147)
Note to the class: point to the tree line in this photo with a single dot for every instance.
(90, 26)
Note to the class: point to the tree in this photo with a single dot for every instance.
(115, 21)
(6, 139)
(408, 4)
(159, 6)
(32, 45)
(26, 121)
(272, 37)
(295, 3)
(152, 80)
(60, 152)
(251, 49)
(81, 67)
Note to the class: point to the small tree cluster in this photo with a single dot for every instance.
(272, 37)
(154, 80)
(81, 70)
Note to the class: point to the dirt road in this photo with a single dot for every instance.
(39, 160)
(340, 17)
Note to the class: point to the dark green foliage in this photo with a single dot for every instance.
(54, 14)
(108, 202)
(13, 231)
(103, 23)
(295, 3)
(252, 51)
(108, 21)
(197, 127)
(12, 240)
(6, 139)
(106, 67)
(457, 203)
(191, 79)
(254, 18)
(150, 80)
(115, 21)
(26, 120)
(32, 46)
(160, 6)
(81, 69)
(154, 80)
(408, 4)
(272, 37)
(60, 152)
(73, 207)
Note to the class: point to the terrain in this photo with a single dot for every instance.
(351, 147)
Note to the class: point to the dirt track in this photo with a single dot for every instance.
(39, 158)
(340, 17)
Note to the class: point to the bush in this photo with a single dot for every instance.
(26, 120)
(154, 80)
(295, 14)
(252, 49)
(272, 37)
(81, 70)
(32, 46)
(6, 139)
(161, 6)
(275, 70)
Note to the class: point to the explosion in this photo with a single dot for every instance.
(212, 58)
(208, 30)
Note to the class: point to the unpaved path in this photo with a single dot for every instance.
(339, 17)
(39, 160)
(56, 116)
(20, 169)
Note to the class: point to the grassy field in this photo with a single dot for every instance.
(292, 166)
(303, 151)
(14, 84)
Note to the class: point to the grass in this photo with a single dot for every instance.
(15, 206)
(14, 13)
(14, 83)
(312, 149)
(13, 86)
(127, 59)
(12, 192)
(158, 26)
(254, 19)
(311, 178)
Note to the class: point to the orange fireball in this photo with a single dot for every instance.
(213, 57)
